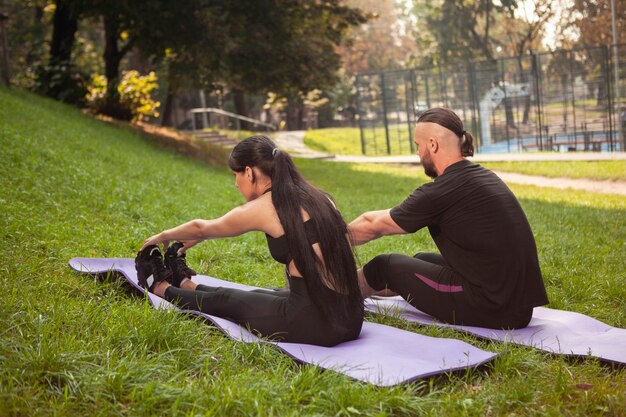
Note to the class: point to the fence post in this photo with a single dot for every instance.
(609, 96)
(538, 98)
(571, 81)
(409, 99)
(384, 97)
(359, 112)
(471, 70)
(203, 104)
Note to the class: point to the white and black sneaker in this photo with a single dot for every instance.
(150, 267)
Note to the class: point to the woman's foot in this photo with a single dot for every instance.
(150, 268)
(178, 265)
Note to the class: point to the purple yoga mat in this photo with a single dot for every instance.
(555, 331)
(382, 355)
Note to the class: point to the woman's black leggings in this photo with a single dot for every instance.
(284, 315)
(430, 285)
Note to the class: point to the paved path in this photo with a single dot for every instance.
(593, 186)
(293, 142)
(495, 157)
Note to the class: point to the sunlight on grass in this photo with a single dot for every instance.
(347, 140)
(595, 170)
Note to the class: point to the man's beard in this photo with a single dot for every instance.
(429, 167)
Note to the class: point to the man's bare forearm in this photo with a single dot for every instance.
(361, 230)
(372, 225)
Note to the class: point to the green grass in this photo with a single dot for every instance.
(595, 170)
(75, 345)
(338, 141)
(347, 140)
(242, 134)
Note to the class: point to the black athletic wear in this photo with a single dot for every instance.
(287, 315)
(488, 273)
(150, 268)
(279, 248)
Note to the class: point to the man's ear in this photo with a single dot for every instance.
(433, 144)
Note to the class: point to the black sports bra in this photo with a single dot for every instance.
(279, 248)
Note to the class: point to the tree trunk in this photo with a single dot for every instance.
(4, 70)
(64, 26)
(57, 80)
(241, 109)
(166, 119)
(112, 58)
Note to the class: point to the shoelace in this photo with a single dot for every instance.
(157, 265)
(181, 265)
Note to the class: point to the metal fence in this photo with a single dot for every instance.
(555, 101)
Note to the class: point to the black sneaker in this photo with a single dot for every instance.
(150, 268)
(177, 264)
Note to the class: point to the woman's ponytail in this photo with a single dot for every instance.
(291, 194)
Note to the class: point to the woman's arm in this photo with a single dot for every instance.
(372, 225)
(238, 221)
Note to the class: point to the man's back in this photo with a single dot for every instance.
(481, 232)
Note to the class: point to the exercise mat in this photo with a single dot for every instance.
(555, 331)
(382, 355)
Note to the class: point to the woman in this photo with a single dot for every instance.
(304, 231)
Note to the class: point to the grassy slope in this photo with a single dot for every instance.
(70, 186)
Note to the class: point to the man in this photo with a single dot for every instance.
(488, 272)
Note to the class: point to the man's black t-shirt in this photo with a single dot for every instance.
(481, 232)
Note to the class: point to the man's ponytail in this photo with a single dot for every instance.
(467, 144)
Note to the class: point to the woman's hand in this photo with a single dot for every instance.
(188, 244)
(155, 240)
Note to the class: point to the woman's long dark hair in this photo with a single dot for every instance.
(291, 193)
(449, 119)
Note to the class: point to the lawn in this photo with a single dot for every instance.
(595, 170)
(337, 141)
(75, 345)
(347, 140)
(242, 134)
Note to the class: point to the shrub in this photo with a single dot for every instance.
(61, 81)
(135, 99)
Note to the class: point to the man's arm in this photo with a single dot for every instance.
(372, 225)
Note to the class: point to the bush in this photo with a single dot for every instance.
(61, 81)
(135, 100)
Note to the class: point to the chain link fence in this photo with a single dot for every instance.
(564, 100)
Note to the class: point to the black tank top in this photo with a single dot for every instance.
(279, 248)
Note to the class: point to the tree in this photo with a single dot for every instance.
(462, 30)
(26, 30)
(146, 26)
(592, 20)
(524, 30)
(5, 73)
(58, 79)
(382, 43)
(283, 46)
